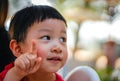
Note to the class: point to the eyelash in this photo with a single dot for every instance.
(62, 39)
(45, 37)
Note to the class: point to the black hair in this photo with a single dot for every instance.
(26, 17)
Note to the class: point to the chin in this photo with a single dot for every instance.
(53, 70)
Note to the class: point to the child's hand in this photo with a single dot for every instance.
(28, 63)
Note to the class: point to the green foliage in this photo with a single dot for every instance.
(106, 74)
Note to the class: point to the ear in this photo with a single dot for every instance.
(15, 47)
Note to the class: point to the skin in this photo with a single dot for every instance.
(44, 46)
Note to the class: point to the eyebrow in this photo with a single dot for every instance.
(49, 30)
(42, 30)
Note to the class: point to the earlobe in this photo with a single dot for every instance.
(15, 48)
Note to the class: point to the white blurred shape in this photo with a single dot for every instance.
(41, 2)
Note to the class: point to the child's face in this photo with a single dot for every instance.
(50, 37)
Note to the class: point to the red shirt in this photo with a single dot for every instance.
(9, 66)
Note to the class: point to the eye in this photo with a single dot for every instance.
(63, 39)
(46, 38)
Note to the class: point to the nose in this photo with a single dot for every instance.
(56, 48)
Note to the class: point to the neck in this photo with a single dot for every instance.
(41, 76)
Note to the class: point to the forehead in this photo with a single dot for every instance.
(50, 24)
(53, 26)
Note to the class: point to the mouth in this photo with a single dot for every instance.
(54, 59)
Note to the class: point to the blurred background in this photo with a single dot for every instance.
(93, 33)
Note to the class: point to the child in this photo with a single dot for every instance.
(38, 40)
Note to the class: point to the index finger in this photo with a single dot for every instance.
(33, 48)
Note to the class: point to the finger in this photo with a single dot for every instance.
(28, 60)
(33, 49)
(37, 65)
(32, 59)
(20, 63)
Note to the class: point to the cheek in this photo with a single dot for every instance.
(66, 52)
(66, 55)
(41, 52)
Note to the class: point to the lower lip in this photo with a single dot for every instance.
(54, 61)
